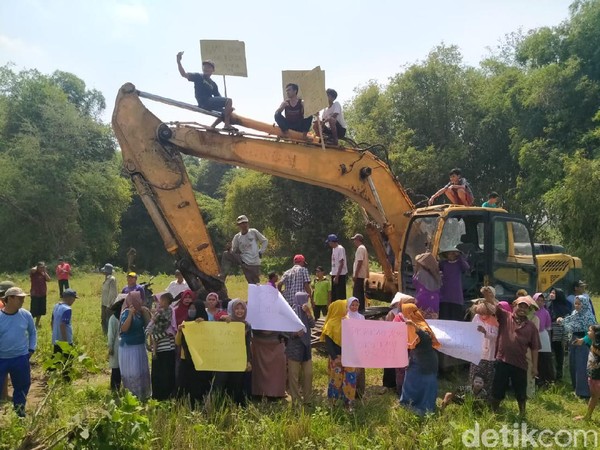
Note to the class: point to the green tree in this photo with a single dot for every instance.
(62, 193)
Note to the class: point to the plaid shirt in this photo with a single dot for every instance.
(294, 280)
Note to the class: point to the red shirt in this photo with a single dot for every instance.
(38, 284)
(515, 338)
(63, 271)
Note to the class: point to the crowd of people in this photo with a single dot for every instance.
(524, 342)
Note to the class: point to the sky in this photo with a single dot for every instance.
(110, 42)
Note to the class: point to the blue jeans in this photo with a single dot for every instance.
(20, 376)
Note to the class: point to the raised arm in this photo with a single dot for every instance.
(182, 71)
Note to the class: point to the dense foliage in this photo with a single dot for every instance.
(60, 191)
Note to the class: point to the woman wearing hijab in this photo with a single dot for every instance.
(181, 310)
(361, 381)
(559, 306)
(546, 373)
(420, 386)
(191, 383)
(427, 281)
(213, 309)
(232, 383)
(485, 318)
(577, 325)
(133, 358)
(342, 380)
(298, 352)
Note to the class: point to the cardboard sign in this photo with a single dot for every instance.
(217, 346)
(374, 344)
(311, 90)
(459, 339)
(229, 57)
(269, 311)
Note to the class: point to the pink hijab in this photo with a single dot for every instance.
(134, 298)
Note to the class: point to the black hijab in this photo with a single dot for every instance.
(560, 306)
(200, 314)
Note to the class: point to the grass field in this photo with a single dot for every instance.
(84, 414)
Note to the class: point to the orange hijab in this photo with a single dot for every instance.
(411, 312)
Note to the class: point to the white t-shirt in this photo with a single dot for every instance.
(361, 255)
(176, 288)
(247, 245)
(333, 109)
(337, 255)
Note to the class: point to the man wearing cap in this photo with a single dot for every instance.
(339, 268)
(178, 285)
(109, 294)
(207, 92)
(18, 341)
(132, 285)
(296, 279)
(247, 248)
(62, 329)
(4, 285)
(39, 289)
(63, 272)
(516, 334)
(360, 270)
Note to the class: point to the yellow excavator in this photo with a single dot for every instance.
(497, 244)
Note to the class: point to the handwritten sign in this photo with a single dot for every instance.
(229, 56)
(374, 344)
(311, 90)
(459, 339)
(217, 346)
(269, 311)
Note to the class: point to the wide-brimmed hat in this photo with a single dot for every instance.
(241, 219)
(526, 299)
(449, 249)
(15, 292)
(107, 268)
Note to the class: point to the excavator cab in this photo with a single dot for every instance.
(497, 246)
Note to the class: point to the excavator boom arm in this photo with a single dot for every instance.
(151, 155)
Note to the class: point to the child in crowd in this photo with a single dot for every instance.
(321, 293)
(457, 190)
(113, 345)
(162, 323)
(492, 201)
(212, 307)
(484, 315)
(475, 391)
(273, 279)
(592, 340)
(62, 329)
(298, 352)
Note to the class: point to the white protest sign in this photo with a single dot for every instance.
(311, 90)
(459, 339)
(229, 56)
(374, 344)
(269, 311)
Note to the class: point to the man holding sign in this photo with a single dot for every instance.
(294, 113)
(207, 93)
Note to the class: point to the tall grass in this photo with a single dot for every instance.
(377, 422)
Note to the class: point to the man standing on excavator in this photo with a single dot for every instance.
(247, 248)
(207, 92)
